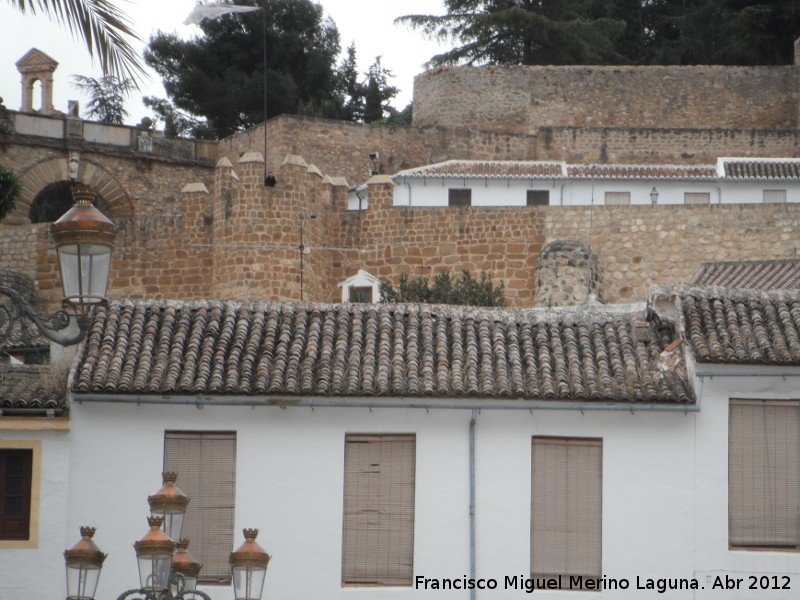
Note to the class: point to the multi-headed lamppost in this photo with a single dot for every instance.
(166, 570)
(84, 240)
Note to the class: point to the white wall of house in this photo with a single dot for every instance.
(290, 482)
(34, 570)
(714, 558)
(512, 192)
(664, 493)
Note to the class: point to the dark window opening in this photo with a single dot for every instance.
(361, 294)
(538, 198)
(459, 197)
(15, 494)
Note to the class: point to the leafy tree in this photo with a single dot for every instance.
(377, 92)
(521, 32)
(103, 26)
(445, 289)
(106, 97)
(10, 190)
(400, 118)
(349, 89)
(220, 75)
(176, 123)
(667, 32)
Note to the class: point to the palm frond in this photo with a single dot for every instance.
(102, 25)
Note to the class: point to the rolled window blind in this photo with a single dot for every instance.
(378, 524)
(566, 507)
(206, 467)
(764, 474)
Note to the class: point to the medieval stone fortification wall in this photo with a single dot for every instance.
(342, 149)
(239, 240)
(524, 99)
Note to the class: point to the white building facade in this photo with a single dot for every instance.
(526, 183)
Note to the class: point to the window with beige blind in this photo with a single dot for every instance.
(205, 462)
(617, 198)
(774, 196)
(764, 474)
(696, 198)
(378, 528)
(566, 508)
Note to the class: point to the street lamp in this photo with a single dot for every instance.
(249, 567)
(654, 196)
(84, 240)
(169, 503)
(84, 561)
(166, 570)
(184, 565)
(154, 555)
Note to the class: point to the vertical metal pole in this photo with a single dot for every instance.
(264, 32)
(302, 249)
(472, 500)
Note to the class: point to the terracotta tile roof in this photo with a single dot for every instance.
(765, 168)
(601, 171)
(31, 387)
(755, 274)
(727, 325)
(227, 348)
(481, 169)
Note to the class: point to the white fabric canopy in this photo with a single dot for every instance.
(214, 11)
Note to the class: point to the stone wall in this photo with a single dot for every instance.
(524, 99)
(136, 184)
(241, 241)
(342, 149)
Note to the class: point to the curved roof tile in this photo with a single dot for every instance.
(227, 348)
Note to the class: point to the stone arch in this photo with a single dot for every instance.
(37, 177)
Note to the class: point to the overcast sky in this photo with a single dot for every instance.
(368, 23)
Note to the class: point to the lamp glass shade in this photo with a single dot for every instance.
(82, 581)
(84, 271)
(248, 582)
(654, 195)
(154, 571)
(83, 561)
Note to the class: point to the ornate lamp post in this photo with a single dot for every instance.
(84, 240)
(164, 572)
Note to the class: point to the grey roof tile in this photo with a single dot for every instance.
(755, 274)
(726, 325)
(32, 387)
(765, 168)
(229, 348)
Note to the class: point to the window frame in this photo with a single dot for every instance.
(200, 532)
(555, 503)
(744, 462)
(399, 509)
(34, 493)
